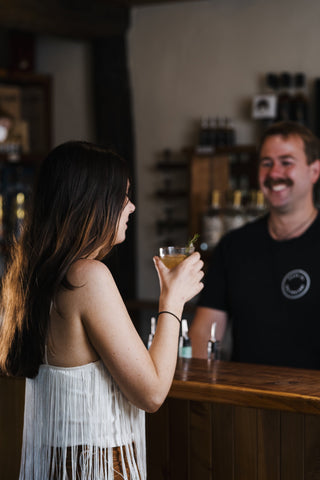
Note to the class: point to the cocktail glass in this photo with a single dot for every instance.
(172, 256)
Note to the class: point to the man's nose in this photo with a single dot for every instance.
(276, 170)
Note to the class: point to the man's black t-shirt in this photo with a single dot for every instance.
(271, 291)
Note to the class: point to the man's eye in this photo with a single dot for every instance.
(265, 163)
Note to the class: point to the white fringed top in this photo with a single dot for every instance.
(79, 407)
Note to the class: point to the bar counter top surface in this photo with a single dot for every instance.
(250, 385)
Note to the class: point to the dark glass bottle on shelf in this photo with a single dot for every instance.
(285, 99)
(272, 83)
(206, 140)
(300, 107)
(212, 133)
(203, 140)
(230, 133)
(220, 133)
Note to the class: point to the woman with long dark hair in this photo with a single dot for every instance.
(66, 329)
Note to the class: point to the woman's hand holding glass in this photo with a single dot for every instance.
(183, 282)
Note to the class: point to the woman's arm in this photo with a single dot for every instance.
(143, 376)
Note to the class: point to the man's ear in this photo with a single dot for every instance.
(315, 170)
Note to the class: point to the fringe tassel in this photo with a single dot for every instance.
(73, 418)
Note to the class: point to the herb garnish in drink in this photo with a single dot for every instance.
(172, 256)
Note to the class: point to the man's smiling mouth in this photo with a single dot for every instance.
(278, 188)
(278, 185)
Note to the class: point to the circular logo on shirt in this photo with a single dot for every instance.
(295, 284)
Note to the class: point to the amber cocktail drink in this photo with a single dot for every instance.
(172, 256)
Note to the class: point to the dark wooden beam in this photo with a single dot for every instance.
(114, 129)
(71, 18)
(133, 3)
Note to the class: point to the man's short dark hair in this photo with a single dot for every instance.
(288, 129)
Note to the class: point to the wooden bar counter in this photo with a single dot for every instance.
(221, 421)
(232, 421)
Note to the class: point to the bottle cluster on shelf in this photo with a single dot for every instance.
(239, 209)
(215, 132)
(285, 98)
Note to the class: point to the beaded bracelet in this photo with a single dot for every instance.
(170, 313)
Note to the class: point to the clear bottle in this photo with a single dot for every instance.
(214, 352)
(185, 348)
(234, 216)
(212, 223)
(257, 206)
(152, 331)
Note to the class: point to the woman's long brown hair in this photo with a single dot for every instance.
(77, 202)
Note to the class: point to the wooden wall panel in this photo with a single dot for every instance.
(157, 429)
(245, 443)
(292, 449)
(200, 441)
(223, 441)
(11, 426)
(179, 443)
(312, 447)
(268, 424)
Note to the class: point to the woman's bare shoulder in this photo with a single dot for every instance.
(93, 287)
(86, 271)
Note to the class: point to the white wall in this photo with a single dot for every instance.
(68, 61)
(206, 58)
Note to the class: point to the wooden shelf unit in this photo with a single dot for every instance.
(32, 99)
(215, 171)
(40, 112)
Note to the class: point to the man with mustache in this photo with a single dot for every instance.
(265, 277)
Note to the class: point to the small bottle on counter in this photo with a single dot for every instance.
(152, 331)
(213, 344)
(185, 348)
